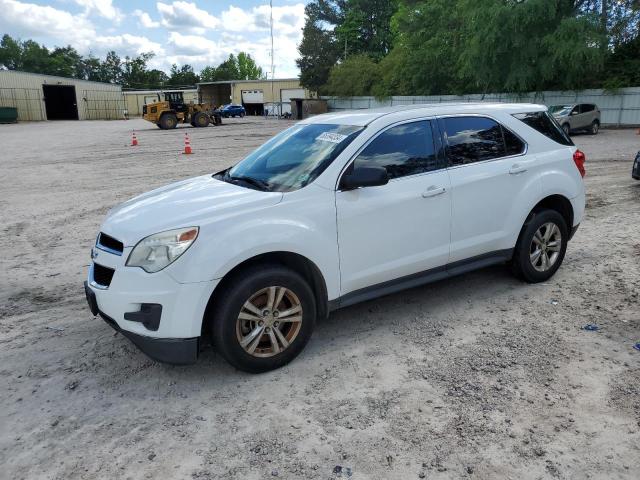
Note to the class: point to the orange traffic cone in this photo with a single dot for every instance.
(187, 145)
(134, 139)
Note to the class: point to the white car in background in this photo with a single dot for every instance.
(338, 209)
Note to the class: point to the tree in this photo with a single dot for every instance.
(10, 53)
(356, 76)
(183, 76)
(318, 49)
(247, 67)
(366, 27)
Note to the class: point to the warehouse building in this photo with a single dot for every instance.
(136, 99)
(255, 95)
(45, 97)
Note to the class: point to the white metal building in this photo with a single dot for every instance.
(45, 97)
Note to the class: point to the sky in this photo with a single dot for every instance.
(194, 32)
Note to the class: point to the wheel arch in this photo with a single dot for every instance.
(557, 202)
(296, 262)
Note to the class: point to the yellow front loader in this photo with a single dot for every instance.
(169, 113)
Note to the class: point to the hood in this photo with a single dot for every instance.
(193, 202)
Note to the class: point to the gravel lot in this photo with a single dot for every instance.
(480, 376)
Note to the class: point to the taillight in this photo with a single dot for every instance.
(578, 159)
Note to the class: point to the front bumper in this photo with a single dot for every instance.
(176, 351)
(160, 315)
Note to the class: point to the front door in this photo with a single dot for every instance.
(401, 228)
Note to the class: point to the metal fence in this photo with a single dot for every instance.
(28, 102)
(620, 108)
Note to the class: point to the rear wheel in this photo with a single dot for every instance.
(541, 247)
(595, 127)
(168, 121)
(200, 119)
(264, 318)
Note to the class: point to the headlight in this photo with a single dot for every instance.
(160, 250)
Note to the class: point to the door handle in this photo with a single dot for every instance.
(516, 168)
(433, 190)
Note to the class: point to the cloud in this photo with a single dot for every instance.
(199, 51)
(35, 21)
(186, 15)
(287, 20)
(28, 19)
(103, 8)
(145, 20)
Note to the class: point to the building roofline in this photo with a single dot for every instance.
(59, 77)
(229, 82)
(159, 90)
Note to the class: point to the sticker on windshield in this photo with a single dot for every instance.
(331, 137)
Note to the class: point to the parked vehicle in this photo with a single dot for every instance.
(635, 171)
(171, 111)
(336, 210)
(232, 111)
(580, 116)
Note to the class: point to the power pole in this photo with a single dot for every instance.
(273, 68)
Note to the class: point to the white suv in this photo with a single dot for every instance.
(338, 209)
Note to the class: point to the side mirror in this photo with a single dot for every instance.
(574, 112)
(364, 177)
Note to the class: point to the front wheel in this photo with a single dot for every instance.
(567, 129)
(168, 121)
(263, 319)
(541, 247)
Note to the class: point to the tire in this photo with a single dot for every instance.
(252, 286)
(595, 127)
(241, 114)
(200, 120)
(567, 129)
(540, 223)
(168, 121)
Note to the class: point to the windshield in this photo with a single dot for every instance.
(293, 158)
(560, 109)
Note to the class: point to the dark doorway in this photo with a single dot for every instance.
(254, 108)
(298, 109)
(60, 102)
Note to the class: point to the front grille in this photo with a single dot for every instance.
(102, 275)
(110, 244)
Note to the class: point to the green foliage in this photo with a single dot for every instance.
(355, 76)
(130, 72)
(183, 76)
(242, 67)
(422, 47)
(335, 30)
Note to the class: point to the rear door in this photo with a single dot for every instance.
(401, 228)
(490, 174)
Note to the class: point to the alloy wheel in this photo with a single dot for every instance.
(545, 247)
(269, 321)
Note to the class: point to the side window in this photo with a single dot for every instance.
(576, 110)
(586, 108)
(473, 139)
(403, 150)
(513, 144)
(546, 125)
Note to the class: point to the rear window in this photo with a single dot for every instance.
(546, 125)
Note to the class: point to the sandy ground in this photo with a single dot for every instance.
(480, 376)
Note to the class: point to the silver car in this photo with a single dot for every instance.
(577, 116)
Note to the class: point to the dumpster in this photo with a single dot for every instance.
(8, 115)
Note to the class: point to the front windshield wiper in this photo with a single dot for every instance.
(261, 184)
